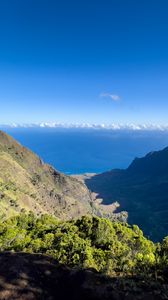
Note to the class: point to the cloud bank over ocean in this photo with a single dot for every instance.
(113, 126)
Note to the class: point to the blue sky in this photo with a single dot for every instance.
(84, 61)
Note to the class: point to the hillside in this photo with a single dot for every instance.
(141, 190)
(26, 183)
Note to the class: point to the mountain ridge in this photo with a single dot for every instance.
(141, 189)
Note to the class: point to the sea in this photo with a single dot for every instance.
(79, 151)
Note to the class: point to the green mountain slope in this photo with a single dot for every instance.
(141, 189)
(87, 258)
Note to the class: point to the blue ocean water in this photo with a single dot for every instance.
(77, 151)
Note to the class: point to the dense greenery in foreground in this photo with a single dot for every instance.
(110, 247)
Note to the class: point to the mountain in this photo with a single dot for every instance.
(26, 183)
(141, 190)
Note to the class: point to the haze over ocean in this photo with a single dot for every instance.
(77, 151)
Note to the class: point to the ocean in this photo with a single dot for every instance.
(78, 151)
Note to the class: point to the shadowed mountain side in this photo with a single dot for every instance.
(141, 189)
(38, 277)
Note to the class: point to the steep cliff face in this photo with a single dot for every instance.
(27, 183)
(141, 189)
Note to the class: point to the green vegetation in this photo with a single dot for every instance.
(90, 242)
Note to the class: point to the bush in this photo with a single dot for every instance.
(89, 242)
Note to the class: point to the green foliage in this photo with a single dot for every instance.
(89, 242)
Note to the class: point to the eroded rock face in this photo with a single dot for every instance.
(38, 277)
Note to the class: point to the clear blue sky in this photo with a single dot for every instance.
(84, 61)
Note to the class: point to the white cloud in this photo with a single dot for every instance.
(112, 126)
(113, 97)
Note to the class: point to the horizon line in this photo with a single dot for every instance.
(112, 126)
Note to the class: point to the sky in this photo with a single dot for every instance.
(103, 61)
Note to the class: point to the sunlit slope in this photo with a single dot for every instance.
(27, 183)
